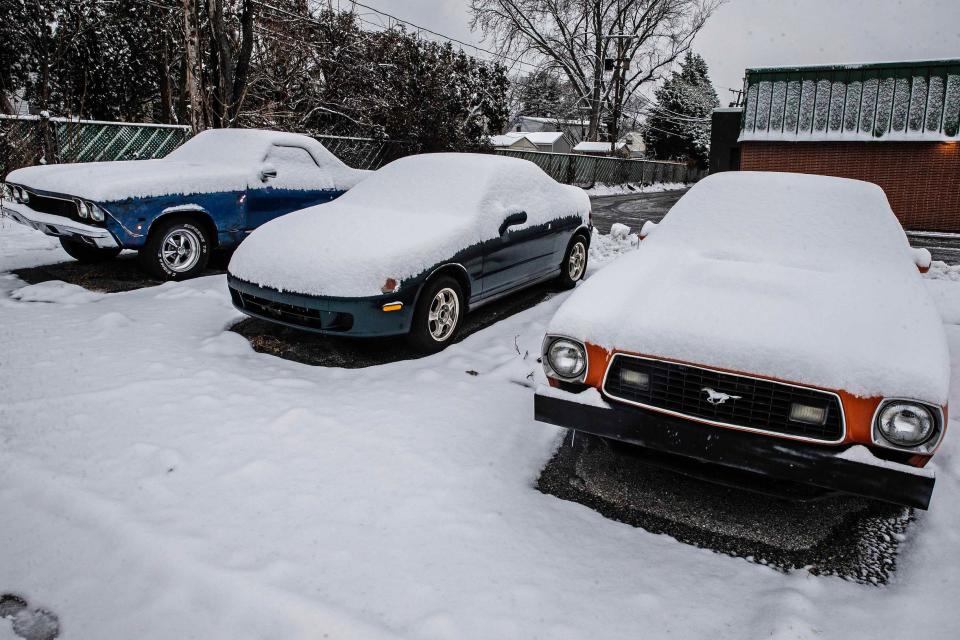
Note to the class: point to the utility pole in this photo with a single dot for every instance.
(190, 32)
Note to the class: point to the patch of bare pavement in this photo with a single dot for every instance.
(123, 273)
(845, 536)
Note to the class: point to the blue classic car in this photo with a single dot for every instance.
(413, 247)
(211, 192)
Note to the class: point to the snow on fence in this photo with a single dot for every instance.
(588, 170)
(28, 140)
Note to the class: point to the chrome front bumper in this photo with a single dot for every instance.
(58, 226)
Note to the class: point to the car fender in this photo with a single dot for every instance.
(446, 266)
(188, 210)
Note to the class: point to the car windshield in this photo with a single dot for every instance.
(227, 146)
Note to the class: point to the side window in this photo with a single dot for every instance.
(295, 169)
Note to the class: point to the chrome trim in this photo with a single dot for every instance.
(549, 339)
(717, 423)
(59, 226)
(927, 447)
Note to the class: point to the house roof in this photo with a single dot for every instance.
(890, 102)
(597, 146)
(506, 140)
(547, 120)
(539, 137)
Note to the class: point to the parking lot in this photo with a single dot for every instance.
(216, 445)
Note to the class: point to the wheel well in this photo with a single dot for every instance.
(458, 273)
(582, 232)
(194, 215)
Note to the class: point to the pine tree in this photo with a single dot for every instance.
(678, 126)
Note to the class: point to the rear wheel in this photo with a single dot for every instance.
(438, 316)
(574, 265)
(86, 253)
(177, 249)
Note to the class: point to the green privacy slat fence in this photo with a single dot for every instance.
(586, 170)
(911, 101)
(28, 140)
(22, 143)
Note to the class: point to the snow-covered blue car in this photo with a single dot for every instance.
(210, 192)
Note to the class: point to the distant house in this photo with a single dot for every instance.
(576, 129)
(636, 144)
(20, 106)
(516, 141)
(602, 149)
(549, 141)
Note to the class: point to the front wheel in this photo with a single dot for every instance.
(177, 249)
(438, 315)
(574, 264)
(88, 254)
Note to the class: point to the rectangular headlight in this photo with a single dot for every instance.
(635, 379)
(808, 414)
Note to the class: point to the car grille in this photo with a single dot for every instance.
(762, 405)
(292, 314)
(53, 206)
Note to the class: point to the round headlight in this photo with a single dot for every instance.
(905, 424)
(83, 209)
(21, 195)
(567, 358)
(96, 213)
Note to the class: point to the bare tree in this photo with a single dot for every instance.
(607, 49)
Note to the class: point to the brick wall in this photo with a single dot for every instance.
(922, 179)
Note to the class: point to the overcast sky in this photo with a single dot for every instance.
(759, 33)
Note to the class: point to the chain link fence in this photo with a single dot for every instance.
(590, 170)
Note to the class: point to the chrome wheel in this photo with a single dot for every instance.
(444, 313)
(180, 249)
(577, 261)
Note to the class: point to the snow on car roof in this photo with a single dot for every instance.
(213, 160)
(246, 146)
(406, 217)
(804, 278)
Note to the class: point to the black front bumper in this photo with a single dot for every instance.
(787, 460)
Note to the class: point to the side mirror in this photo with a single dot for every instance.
(923, 259)
(513, 220)
(267, 172)
(648, 227)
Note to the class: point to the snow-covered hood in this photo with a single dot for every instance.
(339, 249)
(871, 333)
(113, 181)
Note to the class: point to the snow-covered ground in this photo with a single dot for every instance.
(160, 479)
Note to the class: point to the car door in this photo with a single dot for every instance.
(523, 252)
(291, 180)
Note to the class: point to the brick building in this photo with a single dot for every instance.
(893, 124)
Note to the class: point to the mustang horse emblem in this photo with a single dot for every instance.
(716, 397)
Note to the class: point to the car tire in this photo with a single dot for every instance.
(88, 254)
(438, 315)
(574, 265)
(176, 249)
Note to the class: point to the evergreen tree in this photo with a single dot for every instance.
(678, 126)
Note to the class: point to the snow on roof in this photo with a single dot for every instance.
(546, 120)
(803, 278)
(505, 140)
(597, 146)
(215, 160)
(539, 137)
(407, 217)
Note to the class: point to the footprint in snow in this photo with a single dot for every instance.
(29, 624)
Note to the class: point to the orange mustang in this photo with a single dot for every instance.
(774, 325)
